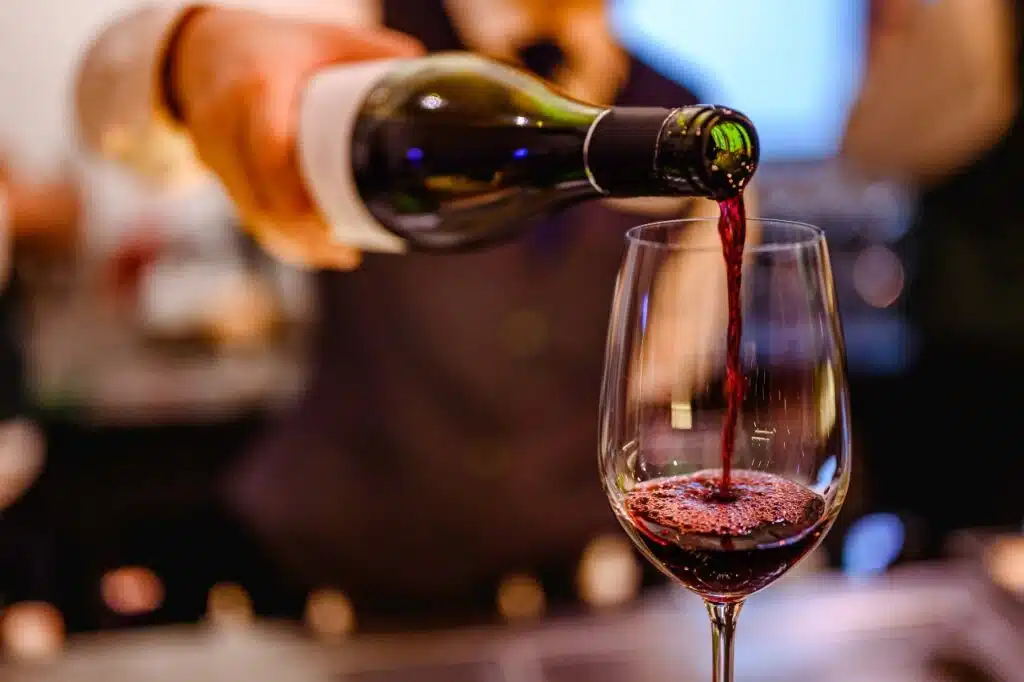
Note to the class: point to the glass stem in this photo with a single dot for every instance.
(723, 633)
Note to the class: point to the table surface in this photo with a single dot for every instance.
(924, 625)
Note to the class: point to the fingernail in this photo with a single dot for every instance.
(341, 259)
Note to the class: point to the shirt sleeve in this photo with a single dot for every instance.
(119, 104)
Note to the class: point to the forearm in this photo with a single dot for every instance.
(940, 89)
(883, 141)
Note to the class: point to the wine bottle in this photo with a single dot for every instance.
(455, 151)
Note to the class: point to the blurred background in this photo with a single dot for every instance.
(159, 344)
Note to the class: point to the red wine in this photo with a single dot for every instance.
(455, 151)
(732, 228)
(726, 549)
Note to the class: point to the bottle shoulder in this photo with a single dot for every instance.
(461, 85)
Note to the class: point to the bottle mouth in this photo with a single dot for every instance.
(731, 151)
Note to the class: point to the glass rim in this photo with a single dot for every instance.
(812, 236)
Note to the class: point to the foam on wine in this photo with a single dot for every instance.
(758, 507)
(726, 548)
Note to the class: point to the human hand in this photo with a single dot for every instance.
(686, 348)
(237, 79)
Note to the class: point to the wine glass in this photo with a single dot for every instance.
(663, 409)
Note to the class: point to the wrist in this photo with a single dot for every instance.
(177, 42)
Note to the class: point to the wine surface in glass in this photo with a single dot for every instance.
(725, 549)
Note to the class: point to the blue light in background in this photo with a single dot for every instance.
(414, 154)
(520, 153)
(792, 66)
(872, 544)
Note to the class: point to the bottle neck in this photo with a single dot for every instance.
(703, 151)
(620, 152)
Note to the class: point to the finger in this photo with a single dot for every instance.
(269, 153)
(224, 146)
(216, 140)
(302, 244)
(322, 250)
(339, 257)
(277, 245)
